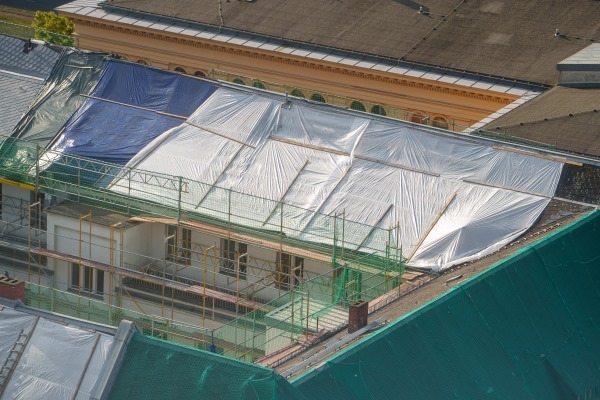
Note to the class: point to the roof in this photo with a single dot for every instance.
(37, 61)
(567, 118)
(311, 51)
(588, 58)
(154, 369)
(49, 357)
(22, 73)
(16, 94)
(520, 330)
(508, 38)
(259, 150)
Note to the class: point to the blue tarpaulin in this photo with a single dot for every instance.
(152, 88)
(111, 132)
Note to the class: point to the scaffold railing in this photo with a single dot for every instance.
(196, 205)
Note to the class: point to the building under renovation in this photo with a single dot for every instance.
(238, 220)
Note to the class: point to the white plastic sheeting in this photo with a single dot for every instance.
(380, 173)
(59, 362)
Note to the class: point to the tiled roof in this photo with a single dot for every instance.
(16, 94)
(509, 38)
(567, 118)
(256, 39)
(22, 72)
(15, 57)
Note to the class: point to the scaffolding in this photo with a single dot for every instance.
(365, 262)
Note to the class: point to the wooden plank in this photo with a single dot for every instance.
(218, 134)
(239, 150)
(132, 106)
(310, 146)
(476, 182)
(226, 234)
(399, 166)
(229, 298)
(286, 192)
(436, 219)
(375, 226)
(147, 278)
(532, 154)
(17, 184)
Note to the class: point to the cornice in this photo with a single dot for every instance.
(297, 62)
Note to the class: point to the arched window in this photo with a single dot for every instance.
(239, 81)
(200, 74)
(358, 106)
(179, 69)
(440, 122)
(259, 85)
(298, 93)
(419, 118)
(142, 62)
(377, 109)
(318, 97)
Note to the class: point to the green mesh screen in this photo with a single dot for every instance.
(529, 328)
(154, 369)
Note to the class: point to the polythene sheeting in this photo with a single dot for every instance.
(75, 73)
(241, 116)
(526, 329)
(11, 324)
(152, 88)
(53, 362)
(111, 132)
(405, 146)
(383, 174)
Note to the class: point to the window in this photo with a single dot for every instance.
(179, 69)
(230, 251)
(200, 74)
(318, 98)
(297, 93)
(92, 282)
(142, 62)
(286, 274)
(259, 85)
(239, 81)
(379, 110)
(100, 282)
(418, 118)
(440, 122)
(358, 106)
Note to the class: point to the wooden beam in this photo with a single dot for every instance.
(310, 146)
(286, 192)
(375, 226)
(239, 150)
(532, 154)
(435, 221)
(17, 184)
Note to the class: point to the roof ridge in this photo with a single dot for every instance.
(538, 121)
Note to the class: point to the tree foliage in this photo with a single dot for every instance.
(53, 28)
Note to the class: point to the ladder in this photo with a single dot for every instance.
(11, 362)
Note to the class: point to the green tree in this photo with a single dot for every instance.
(53, 28)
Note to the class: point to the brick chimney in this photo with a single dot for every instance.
(358, 315)
(13, 289)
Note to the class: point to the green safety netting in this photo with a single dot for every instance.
(155, 369)
(529, 328)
